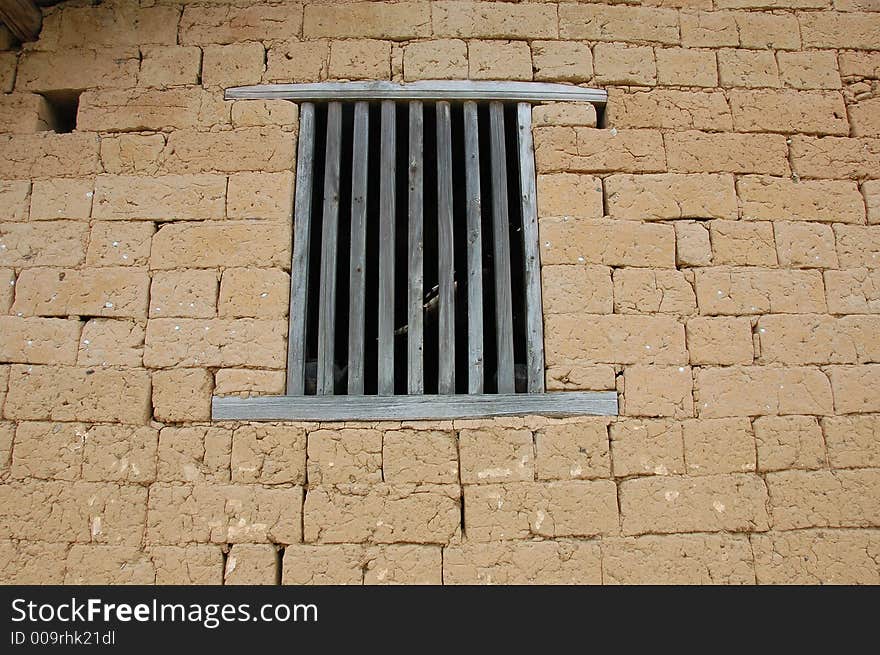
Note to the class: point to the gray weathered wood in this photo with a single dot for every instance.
(426, 90)
(358, 259)
(445, 252)
(387, 192)
(299, 266)
(22, 18)
(415, 322)
(531, 255)
(501, 240)
(329, 234)
(475, 248)
(375, 408)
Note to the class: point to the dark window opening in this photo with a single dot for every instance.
(62, 108)
(432, 221)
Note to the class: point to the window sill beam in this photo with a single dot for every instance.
(427, 90)
(416, 407)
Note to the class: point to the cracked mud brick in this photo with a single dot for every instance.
(194, 454)
(489, 60)
(256, 292)
(678, 559)
(344, 456)
(573, 289)
(111, 342)
(734, 291)
(228, 24)
(789, 442)
(573, 450)
(519, 510)
(682, 110)
(614, 338)
(182, 394)
(61, 198)
(852, 441)
(724, 445)
(205, 513)
(587, 150)
(420, 456)
(111, 292)
(233, 64)
(83, 512)
(490, 456)
(523, 562)
(671, 196)
(761, 390)
(403, 564)
(817, 556)
(647, 447)
(739, 243)
(215, 342)
(808, 499)
(720, 340)
(712, 503)
(562, 61)
(269, 454)
(28, 562)
(624, 64)
(87, 564)
(39, 340)
(382, 513)
(169, 197)
(379, 20)
(50, 243)
(614, 243)
(120, 243)
(251, 564)
(569, 194)
(78, 394)
(221, 243)
(193, 564)
(640, 291)
(110, 110)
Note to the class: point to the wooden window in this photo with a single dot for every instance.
(415, 278)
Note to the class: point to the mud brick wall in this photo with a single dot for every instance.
(711, 251)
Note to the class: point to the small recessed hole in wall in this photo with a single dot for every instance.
(62, 108)
(600, 116)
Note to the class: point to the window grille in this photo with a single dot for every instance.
(415, 276)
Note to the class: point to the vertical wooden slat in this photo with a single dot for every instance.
(445, 253)
(501, 238)
(386, 249)
(475, 248)
(299, 265)
(329, 233)
(358, 262)
(531, 255)
(415, 323)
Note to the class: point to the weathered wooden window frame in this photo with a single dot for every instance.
(354, 406)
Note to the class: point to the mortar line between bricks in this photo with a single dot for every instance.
(754, 559)
(279, 565)
(461, 519)
(224, 553)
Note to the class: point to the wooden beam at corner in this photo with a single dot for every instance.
(22, 18)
